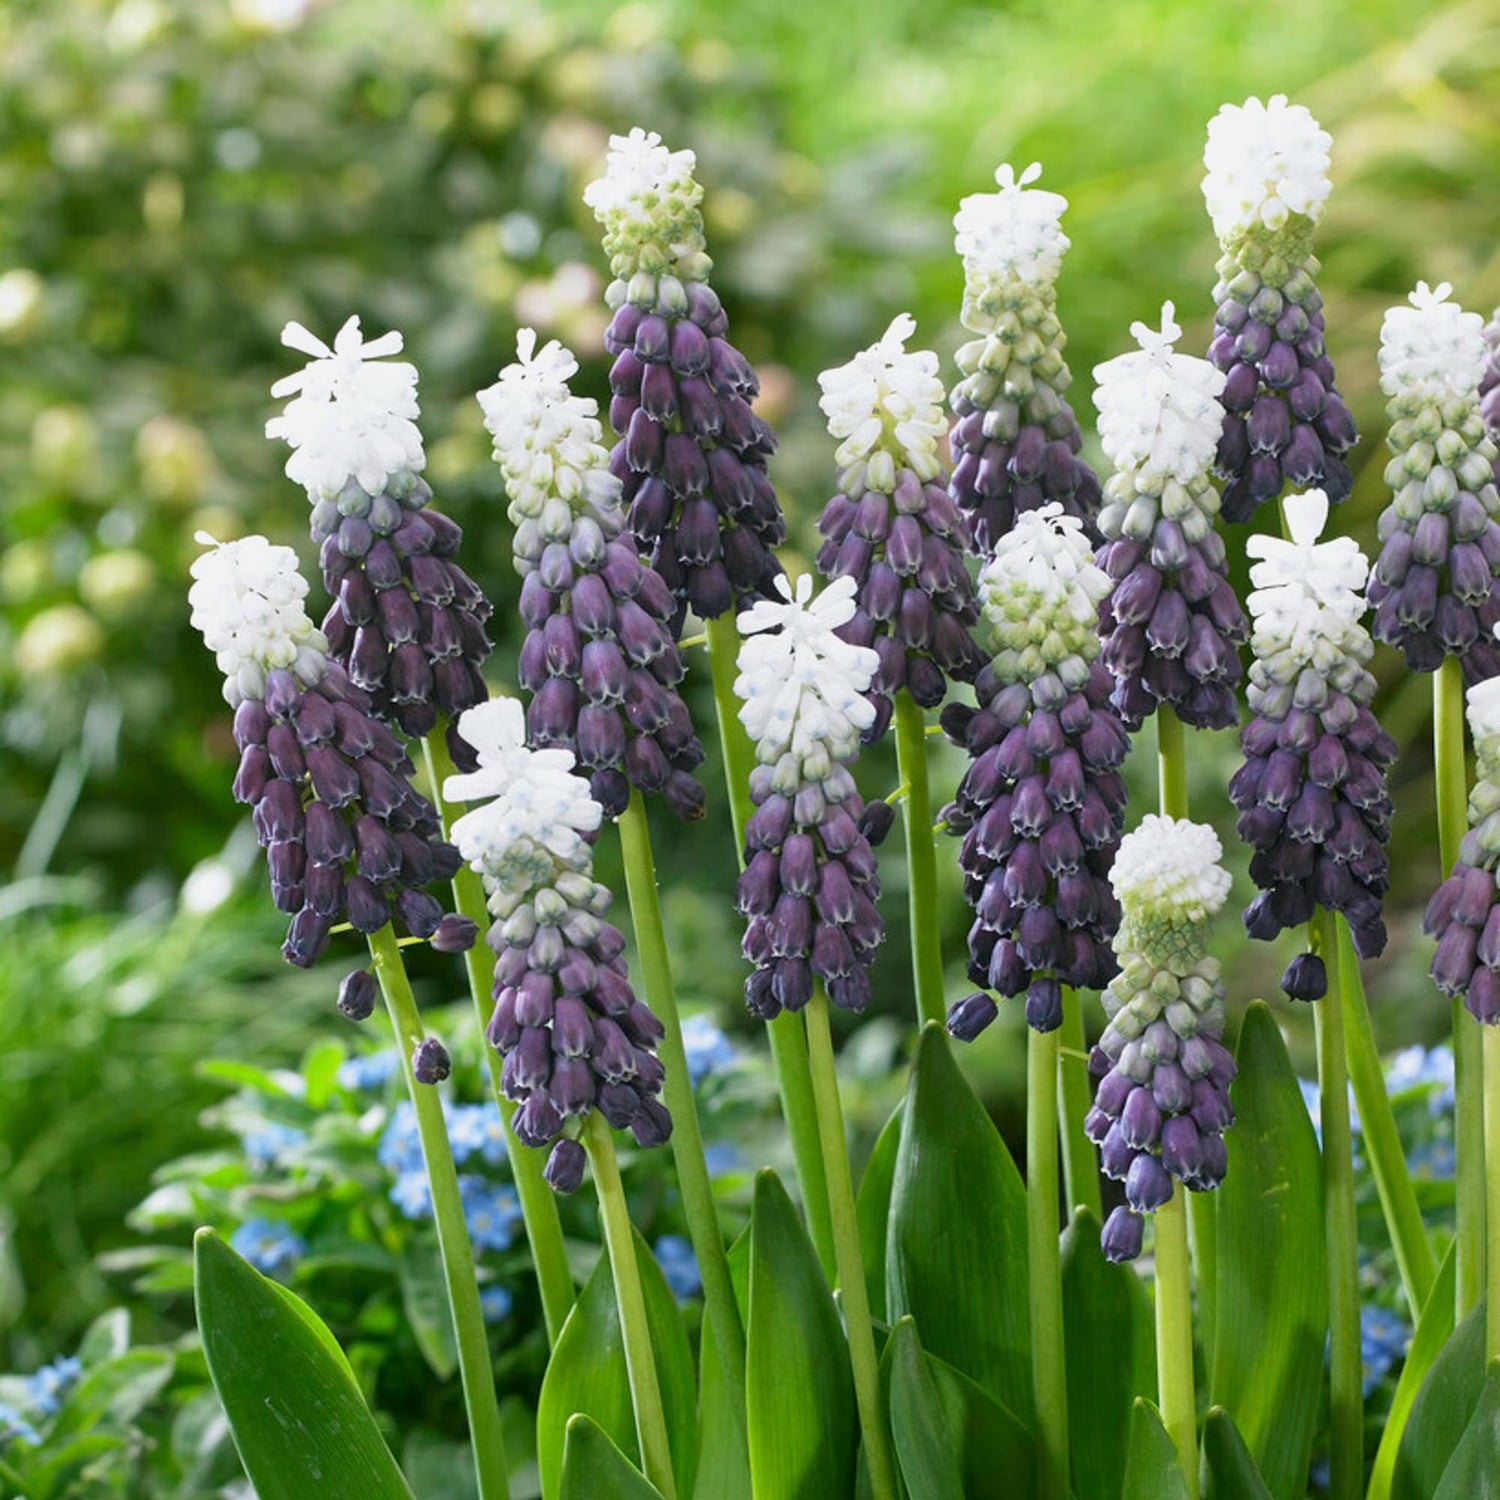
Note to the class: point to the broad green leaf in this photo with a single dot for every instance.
(594, 1468)
(723, 1462)
(1273, 1296)
(1229, 1473)
(424, 1295)
(956, 1246)
(1441, 1412)
(799, 1389)
(873, 1210)
(587, 1373)
(108, 1336)
(1433, 1330)
(1473, 1473)
(298, 1419)
(1111, 1357)
(116, 1391)
(1151, 1469)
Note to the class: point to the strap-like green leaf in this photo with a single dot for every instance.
(873, 1210)
(300, 1424)
(799, 1389)
(956, 1246)
(1229, 1472)
(1473, 1473)
(1441, 1412)
(1273, 1294)
(593, 1467)
(723, 1463)
(1151, 1468)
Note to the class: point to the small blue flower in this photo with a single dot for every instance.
(266, 1146)
(15, 1428)
(270, 1245)
(1383, 1338)
(369, 1072)
(708, 1049)
(400, 1148)
(496, 1303)
(721, 1158)
(674, 1254)
(1423, 1067)
(46, 1388)
(412, 1194)
(476, 1130)
(492, 1213)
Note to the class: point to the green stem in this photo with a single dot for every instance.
(538, 1202)
(830, 1118)
(453, 1236)
(1048, 1360)
(1075, 1091)
(1174, 1337)
(687, 1140)
(1171, 764)
(787, 1035)
(921, 860)
(635, 1327)
(1398, 1199)
(1346, 1394)
(1492, 1165)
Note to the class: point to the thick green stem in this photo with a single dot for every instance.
(830, 1118)
(1171, 765)
(457, 1255)
(687, 1140)
(1492, 1164)
(1174, 1337)
(1075, 1094)
(1398, 1200)
(635, 1327)
(1346, 1394)
(538, 1202)
(921, 860)
(1049, 1380)
(787, 1034)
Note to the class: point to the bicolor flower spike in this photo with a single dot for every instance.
(891, 529)
(1436, 587)
(1016, 441)
(599, 656)
(346, 834)
(1162, 1103)
(1172, 625)
(692, 455)
(407, 623)
(569, 1028)
(1041, 808)
(1265, 184)
(809, 886)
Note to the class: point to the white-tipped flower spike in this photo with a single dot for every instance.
(1263, 164)
(1489, 401)
(1172, 624)
(1016, 441)
(1435, 589)
(648, 204)
(1162, 1104)
(248, 603)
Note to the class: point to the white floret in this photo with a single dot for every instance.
(1264, 163)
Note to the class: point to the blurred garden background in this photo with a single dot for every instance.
(178, 178)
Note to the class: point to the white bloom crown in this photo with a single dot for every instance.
(1168, 870)
(1306, 590)
(1265, 163)
(1015, 232)
(1430, 348)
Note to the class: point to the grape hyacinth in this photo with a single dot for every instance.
(1265, 183)
(1435, 590)
(1172, 624)
(407, 623)
(346, 834)
(892, 528)
(1041, 808)
(1311, 794)
(809, 885)
(1162, 1104)
(599, 656)
(1489, 382)
(692, 455)
(1016, 441)
(571, 1032)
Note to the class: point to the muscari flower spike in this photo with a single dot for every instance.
(1489, 382)
(892, 527)
(1265, 183)
(1172, 625)
(1041, 808)
(809, 885)
(346, 834)
(571, 1033)
(692, 454)
(1162, 1103)
(407, 623)
(1312, 794)
(1016, 441)
(1435, 590)
(599, 655)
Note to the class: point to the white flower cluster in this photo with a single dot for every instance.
(247, 603)
(548, 442)
(649, 205)
(1431, 350)
(886, 405)
(1168, 870)
(800, 685)
(350, 417)
(1040, 593)
(1015, 233)
(639, 172)
(1159, 411)
(532, 830)
(1264, 163)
